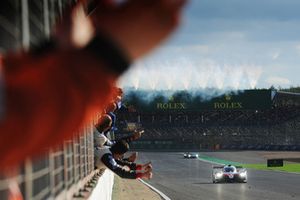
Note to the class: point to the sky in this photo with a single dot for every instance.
(226, 44)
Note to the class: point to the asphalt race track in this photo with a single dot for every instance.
(190, 179)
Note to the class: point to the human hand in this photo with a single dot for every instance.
(137, 134)
(75, 29)
(147, 167)
(138, 25)
(147, 175)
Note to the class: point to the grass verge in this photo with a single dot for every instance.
(287, 167)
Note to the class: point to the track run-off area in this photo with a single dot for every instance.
(190, 179)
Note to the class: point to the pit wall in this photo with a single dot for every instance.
(104, 187)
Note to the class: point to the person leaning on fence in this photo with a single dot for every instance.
(110, 110)
(101, 130)
(111, 158)
(48, 94)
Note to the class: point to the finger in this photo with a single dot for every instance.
(150, 175)
(149, 170)
(146, 164)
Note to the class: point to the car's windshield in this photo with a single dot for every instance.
(228, 169)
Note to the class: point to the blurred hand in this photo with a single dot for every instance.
(147, 167)
(137, 134)
(75, 30)
(138, 25)
(147, 175)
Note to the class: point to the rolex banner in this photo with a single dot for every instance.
(185, 101)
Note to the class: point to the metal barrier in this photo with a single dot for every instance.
(62, 173)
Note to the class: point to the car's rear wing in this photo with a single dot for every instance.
(218, 167)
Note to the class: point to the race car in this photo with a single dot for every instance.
(229, 174)
(190, 155)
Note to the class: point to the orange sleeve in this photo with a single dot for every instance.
(47, 99)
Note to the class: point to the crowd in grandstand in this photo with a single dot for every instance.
(253, 129)
(217, 117)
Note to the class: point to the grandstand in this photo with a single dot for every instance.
(264, 120)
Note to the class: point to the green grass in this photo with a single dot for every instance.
(287, 167)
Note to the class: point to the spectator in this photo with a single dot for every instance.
(50, 93)
(110, 157)
(101, 129)
(110, 109)
(100, 132)
(118, 95)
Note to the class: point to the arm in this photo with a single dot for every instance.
(111, 163)
(131, 165)
(43, 92)
(136, 135)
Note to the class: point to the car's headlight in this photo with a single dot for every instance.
(243, 174)
(219, 174)
(189, 155)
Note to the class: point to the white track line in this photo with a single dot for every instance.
(165, 197)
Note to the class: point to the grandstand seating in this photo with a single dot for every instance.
(277, 128)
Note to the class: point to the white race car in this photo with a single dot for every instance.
(229, 173)
(190, 155)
